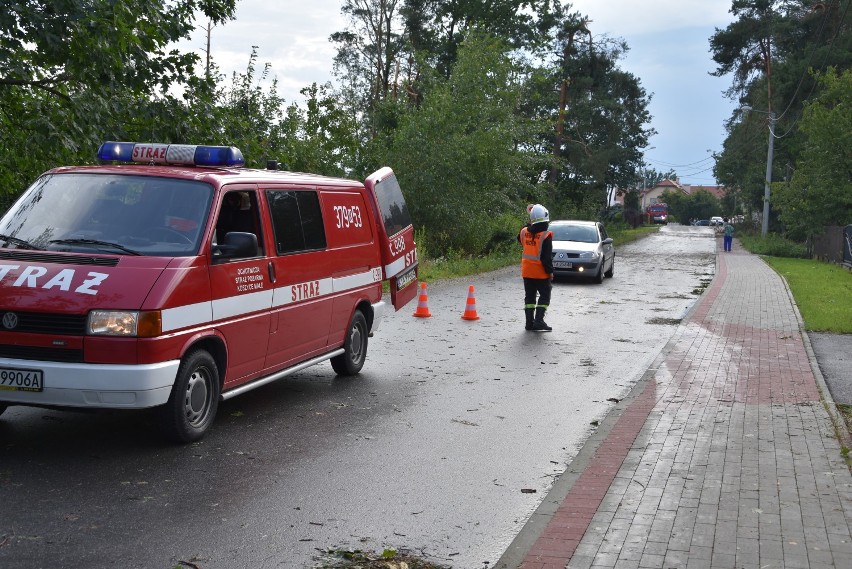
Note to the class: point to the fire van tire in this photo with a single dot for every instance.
(354, 353)
(194, 400)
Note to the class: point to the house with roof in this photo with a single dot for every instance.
(653, 195)
(717, 191)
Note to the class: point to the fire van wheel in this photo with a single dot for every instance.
(354, 353)
(194, 399)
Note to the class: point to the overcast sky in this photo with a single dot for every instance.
(669, 53)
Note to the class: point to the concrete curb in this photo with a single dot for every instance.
(840, 428)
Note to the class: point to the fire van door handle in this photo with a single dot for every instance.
(271, 272)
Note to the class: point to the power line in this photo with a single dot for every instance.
(670, 165)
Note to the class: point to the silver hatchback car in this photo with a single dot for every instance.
(582, 249)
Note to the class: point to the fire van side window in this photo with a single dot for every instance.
(296, 221)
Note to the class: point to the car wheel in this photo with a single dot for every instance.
(599, 275)
(611, 270)
(194, 400)
(354, 353)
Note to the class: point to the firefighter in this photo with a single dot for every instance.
(537, 266)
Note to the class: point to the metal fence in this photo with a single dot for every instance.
(834, 245)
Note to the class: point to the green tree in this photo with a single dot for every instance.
(460, 155)
(74, 72)
(605, 124)
(770, 50)
(437, 27)
(369, 50)
(321, 138)
(820, 191)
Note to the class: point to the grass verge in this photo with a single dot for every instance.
(822, 292)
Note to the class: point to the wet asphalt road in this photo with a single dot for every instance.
(444, 445)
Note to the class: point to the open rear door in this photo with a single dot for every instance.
(396, 237)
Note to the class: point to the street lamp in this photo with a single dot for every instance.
(644, 174)
(768, 181)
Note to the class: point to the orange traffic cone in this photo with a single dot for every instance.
(470, 306)
(422, 303)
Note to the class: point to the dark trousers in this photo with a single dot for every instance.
(728, 241)
(536, 288)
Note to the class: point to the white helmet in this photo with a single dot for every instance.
(538, 213)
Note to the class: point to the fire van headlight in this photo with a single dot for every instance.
(125, 323)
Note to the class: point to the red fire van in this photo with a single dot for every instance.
(170, 276)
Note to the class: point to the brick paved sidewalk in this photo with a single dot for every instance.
(723, 456)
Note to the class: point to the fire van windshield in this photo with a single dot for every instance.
(132, 214)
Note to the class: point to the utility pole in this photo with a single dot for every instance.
(768, 182)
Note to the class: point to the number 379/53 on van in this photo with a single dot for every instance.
(172, 277)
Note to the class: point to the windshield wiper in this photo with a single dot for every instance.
(97, 243)
(19, 242)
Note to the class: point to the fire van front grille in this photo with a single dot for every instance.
(43, 323)
(44, 354)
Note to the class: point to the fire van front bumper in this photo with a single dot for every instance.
(110, 386)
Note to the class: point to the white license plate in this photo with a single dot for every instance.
(14, 379)
(404, 279)
(562, 265)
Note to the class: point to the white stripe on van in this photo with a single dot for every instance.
(357, 281)
(233, 306)
(186, 316)
(242, 304)
(395, 268)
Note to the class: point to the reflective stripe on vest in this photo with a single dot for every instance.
(531, 265)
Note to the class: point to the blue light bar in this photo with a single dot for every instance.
(218, 156)
(188, 154)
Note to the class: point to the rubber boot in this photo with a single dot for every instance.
(539, 325)
(530, 322)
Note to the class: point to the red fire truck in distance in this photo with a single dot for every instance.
(171, 277)
(657, 213)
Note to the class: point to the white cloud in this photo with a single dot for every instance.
(632, 17)
(292, 37)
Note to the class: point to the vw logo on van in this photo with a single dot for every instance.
(10, 320)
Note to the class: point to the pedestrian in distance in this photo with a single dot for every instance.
(537, 266)
(728, 238)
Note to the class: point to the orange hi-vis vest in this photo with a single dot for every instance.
(531, 266)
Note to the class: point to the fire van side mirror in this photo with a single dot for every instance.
(237, 245)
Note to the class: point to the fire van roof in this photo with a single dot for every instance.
(196, 162)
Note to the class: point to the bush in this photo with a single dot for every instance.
(773, 245)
